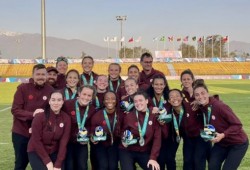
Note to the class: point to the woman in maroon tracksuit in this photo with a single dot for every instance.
(146, 130)
(158, 97)
(106, 152)
(50, 135)
(230, 142)
(81, 112)
(195, 149)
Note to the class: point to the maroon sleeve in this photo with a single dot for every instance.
(64, 141)
(94, 122)
(234, 123)
(156, 141)
(18, 106)
(36, 137)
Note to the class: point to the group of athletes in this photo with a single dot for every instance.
(61, 118)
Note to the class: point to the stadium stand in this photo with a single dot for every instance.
(198, 68)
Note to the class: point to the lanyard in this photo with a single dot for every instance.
(161, 102)
(67, 94)
(177, 125)
(142, 130)
(91, 80)
(111, 85)
(209, 111)
(111, 129)
(78, 117)
(97, 103)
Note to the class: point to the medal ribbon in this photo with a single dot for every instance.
(111, 129)
(111, 87)
(97, 103)
(91, 80)
(142, 131)
(209, 111)
(177, 125)
(78, 116)
(67, 94)
(161, 102)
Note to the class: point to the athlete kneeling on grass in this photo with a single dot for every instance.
(50, 135)
(142, 138)
(230, 140)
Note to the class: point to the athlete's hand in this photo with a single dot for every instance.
(154, 164)
(50, 166)
(37, 111)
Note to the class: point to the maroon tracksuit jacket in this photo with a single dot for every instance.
(225, 121)
(69, 107)
(99, 120)
(147, 78)
(49, 135)
(27, 99)
(152, 137)
(61, 81)
(87, 76)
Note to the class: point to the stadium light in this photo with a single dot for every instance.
(43, 29)
(121, 19)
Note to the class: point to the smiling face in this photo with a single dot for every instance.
(39, 76)
(52, 77)
(175, 98)
(109, 101)
(131, 86)
(85, 96)
(114, 71)
(201, 96)
(133, 73)
(56, 102)
(187, 80)
(62, 67)
(102, 82)
(72, 79)
(141, 103)
(158, 85)
(87, 65)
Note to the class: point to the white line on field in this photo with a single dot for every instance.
(4, 143)
(7, 108)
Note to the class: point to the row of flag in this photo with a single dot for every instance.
(170, 39)
(115, 39)
(187, 38)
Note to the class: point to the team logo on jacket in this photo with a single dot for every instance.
(104, 123)
(150, 122)
(31, 97)
(188, 115)
(61, 125)
(44, 97)
(73, 113)
(213, 117)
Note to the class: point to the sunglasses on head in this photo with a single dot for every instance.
(62, 59)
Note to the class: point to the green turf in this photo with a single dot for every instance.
(235, 93)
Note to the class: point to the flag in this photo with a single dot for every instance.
(122, 39)
(131, 39)
(185, 39)
(209, 38)
(138, 39)
(106, 39)
(114, 39)
(200, 39)
(155, 39)
(170, 39)
(163, 38)
(194, 38)
(178, 39)
(225, 39)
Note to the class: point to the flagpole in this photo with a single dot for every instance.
(196, 51)
(124, 56)
(220, 46)
(212, 46)
(204, 48)
(228, 46)
(43, 29)
(108, 48)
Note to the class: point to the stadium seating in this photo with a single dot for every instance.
(202, 68)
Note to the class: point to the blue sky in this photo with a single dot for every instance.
(92, 20)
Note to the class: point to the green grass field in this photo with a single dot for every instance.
(236, 93)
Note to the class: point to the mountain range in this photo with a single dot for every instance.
(28, 46)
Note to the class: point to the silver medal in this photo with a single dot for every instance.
(178, 139)
(141, 141)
